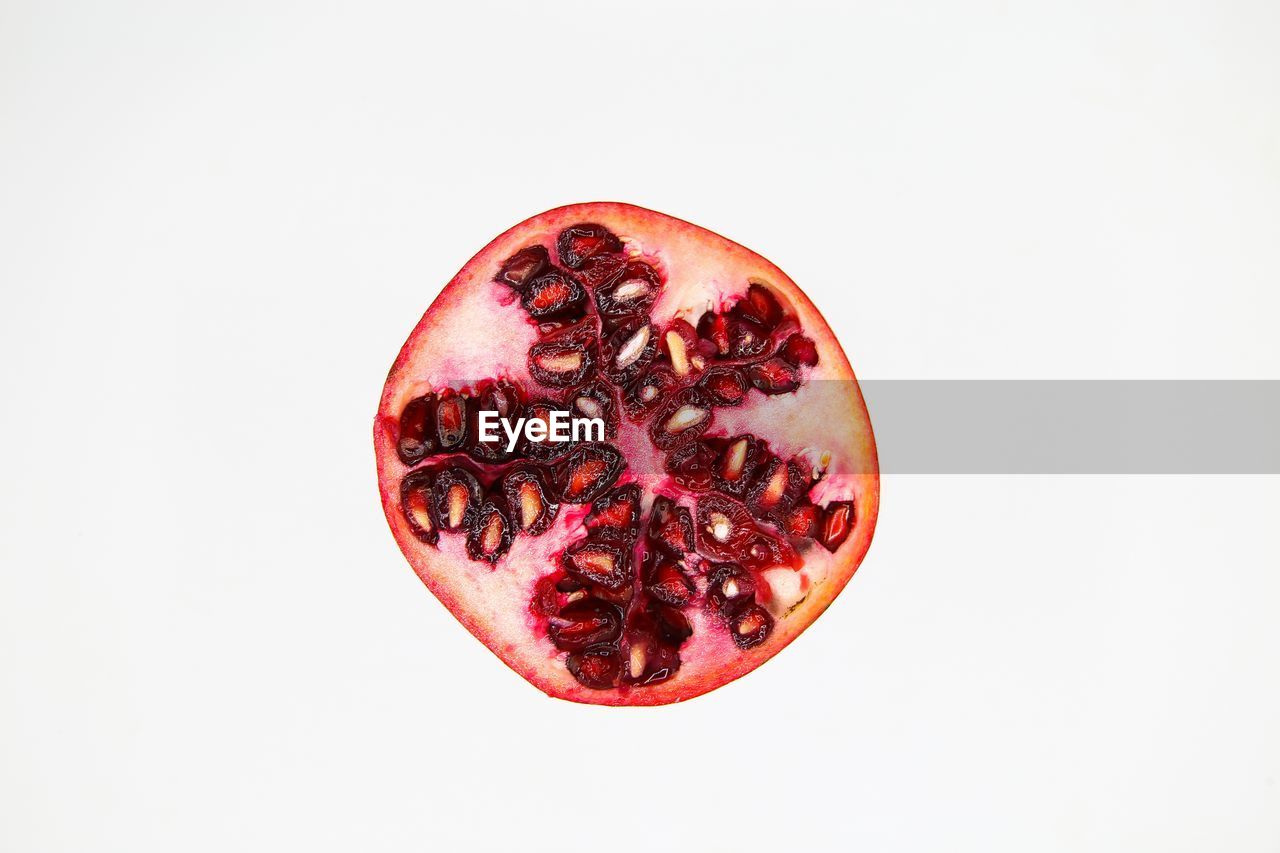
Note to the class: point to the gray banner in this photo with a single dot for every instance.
(1076, 427)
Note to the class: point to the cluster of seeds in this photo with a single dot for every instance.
(614, 603)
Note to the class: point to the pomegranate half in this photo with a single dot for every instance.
(729, 489)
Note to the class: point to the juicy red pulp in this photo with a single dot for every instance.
(614, 603)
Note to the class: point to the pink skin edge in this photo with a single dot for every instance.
(533, 657)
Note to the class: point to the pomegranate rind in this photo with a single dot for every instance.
(703, 269)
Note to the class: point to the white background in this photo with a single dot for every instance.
(218, 223)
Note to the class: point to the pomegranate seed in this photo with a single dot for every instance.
(451, 422)
(559, 364)
(774, 376)
(651, 662)
(800, 351)
(648, 392)
(554, 294)
(750, 627)
(666, 582)
(599, 563)
(490, 534)
(503, 398)
(456, 496)
(715, 328)
(802, 522)
(730, 587)
(416, 440)
(615, 514)
(774, 491)
(723, 527)
(632, 294)
(543, 450)
(670, 626)
(597, 668)
(686, 417)
(725, 386)
(522, 267)
(760, 305)
(670, 527)
(765, 552)
(584, 240)
(584, 623)
(628, 351)
(588, 472)
(693, 466)
(601, 270)
(416, 504)
(596, 400)
(532, 509)
(679, 343)
(737, 465)
(747, 338)
(837, 524)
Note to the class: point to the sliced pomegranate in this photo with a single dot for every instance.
(660, 562)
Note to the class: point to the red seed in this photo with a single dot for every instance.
(558, 363)
(491, 533)
(666, 581)
(751, 627)
(615, 514)
(554, 294)
(726, 386)
(670, 527)
(760, 305)
(599, 563)
(715, 328)
(522, 267)
(588, 472)
(584, 240)
(774, 376)
(585, 623)
(418, 507)
(837, 523)
(417, 435)
(799, 350)
(597, 668)
(451, 422)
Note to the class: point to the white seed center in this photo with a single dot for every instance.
(685, 417)
(632, 349)
(631, 289)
